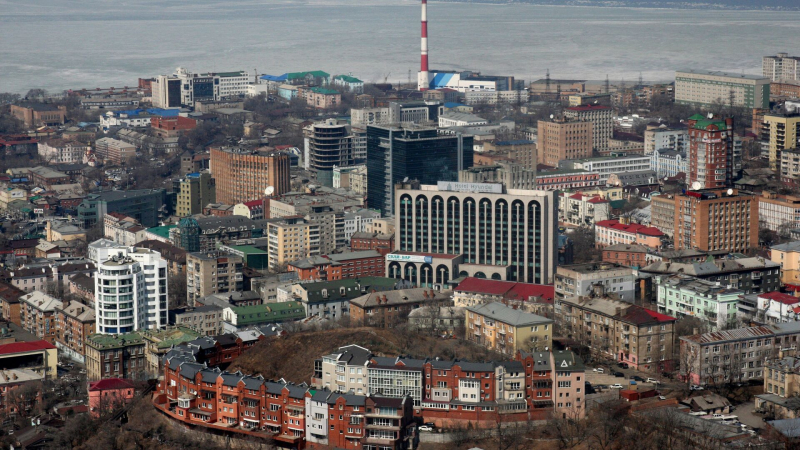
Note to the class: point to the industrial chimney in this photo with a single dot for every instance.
(424, 80)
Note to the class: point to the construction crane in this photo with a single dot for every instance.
(386, 77)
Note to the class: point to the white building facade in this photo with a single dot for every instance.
(130, 288)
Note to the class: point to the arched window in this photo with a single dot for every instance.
(404, 215)
(421, 236)
(453, 226)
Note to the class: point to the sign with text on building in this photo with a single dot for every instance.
(409, 258)
(484, 188)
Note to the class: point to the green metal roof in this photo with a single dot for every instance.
(171, 337)
(161, 231)
(314, 73)
(347, 78)
(320, 90)
(705, 123)
(697, 116)
(247, 249)
(107, 341)
(353, 288)
(270, 312)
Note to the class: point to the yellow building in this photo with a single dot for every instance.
(609, 193)
(781, 132)
(788, 256)
(195, 191)
(64, 231)
(10, 194)
(505, 329)
(291, 240)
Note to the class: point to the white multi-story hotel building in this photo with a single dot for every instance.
(130, 288)
(506, 234)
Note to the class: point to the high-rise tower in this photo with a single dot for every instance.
(423, 80)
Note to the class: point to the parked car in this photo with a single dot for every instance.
(623, 365)
(695, 387)
(619, 374)
(616, 386)
(637, 378)
(653, 380)
(661, 397)
(425, 428)
(598, 370)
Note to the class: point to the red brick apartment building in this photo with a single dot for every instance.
(532, 387)
(366, 263)
(382, 243)
(167, 127)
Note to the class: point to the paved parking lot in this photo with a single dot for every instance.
(747, 416)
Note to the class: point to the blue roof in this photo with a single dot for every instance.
(274, 77)
(453, 104)
(516, 142)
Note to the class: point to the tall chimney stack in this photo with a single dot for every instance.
(423, 65)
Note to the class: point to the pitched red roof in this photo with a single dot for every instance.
(641, 316)
(20, 347)
(509, 289)
(597, 199)
(110, 384)
(780, 297)
(254, 203)
(633, 228)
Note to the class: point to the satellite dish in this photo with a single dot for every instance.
(405, 180)
(269, 190)
(552, 116)
(730, 191)
(697, 185)
(710, 115)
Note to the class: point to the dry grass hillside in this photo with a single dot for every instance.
(292, 357)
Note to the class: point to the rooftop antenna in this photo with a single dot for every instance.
(607, 84)
(641, 83)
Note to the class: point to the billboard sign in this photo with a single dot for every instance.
(409, 258)
(483, 188)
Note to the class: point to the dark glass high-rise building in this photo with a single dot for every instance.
(417, 153)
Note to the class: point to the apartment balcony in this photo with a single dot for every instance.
(373, 426)
(377, 414)
(380, 441)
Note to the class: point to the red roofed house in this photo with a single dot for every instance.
(109, 394)
(536, 298)
(631, 334)
(581, 209)
(777, 307)
(612, 232)
(254, 209)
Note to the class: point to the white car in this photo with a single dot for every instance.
(661, 397)
(598, 370)
(653, 381)
(616, 386)
(425, 428)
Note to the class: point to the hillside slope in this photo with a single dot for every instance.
(292, 357)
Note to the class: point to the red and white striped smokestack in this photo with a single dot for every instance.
(423, 66)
